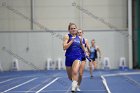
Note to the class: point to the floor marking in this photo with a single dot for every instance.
(47, 85)
(19, 85)
(105, 84)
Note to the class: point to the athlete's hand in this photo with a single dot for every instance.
(87, 57)
(73, 38)
(87, 53)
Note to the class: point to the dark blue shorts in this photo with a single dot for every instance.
(70, 59)
(93, 59)
(83, 58)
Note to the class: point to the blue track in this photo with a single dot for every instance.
(56, 81)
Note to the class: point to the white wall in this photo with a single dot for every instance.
(113, 12)
(44, 45)
(112, 44)
(55, 15)
(9, 20)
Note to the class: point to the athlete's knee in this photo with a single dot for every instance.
(75, 71)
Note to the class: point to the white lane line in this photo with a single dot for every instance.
(6, 80)
(47, 85)
(132, 80)
(59, 91)
(105, 84)
(8, 76)
(129, 73)
(19, 85)
(35, 87)
(44, 82)
(68, 89)
(14, 78)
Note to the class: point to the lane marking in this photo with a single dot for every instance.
(59, 91)
(47, 85)
(130, 73)
(105, 84)
(67, 91)
(15, 78)
(38, 85)
(7, 80)
(19, 85)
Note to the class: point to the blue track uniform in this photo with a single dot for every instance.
(73, 52)
(82, 51)
(84, 56)
(93, 53)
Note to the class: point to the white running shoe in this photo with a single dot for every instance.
(78, 88)
(74, 85)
